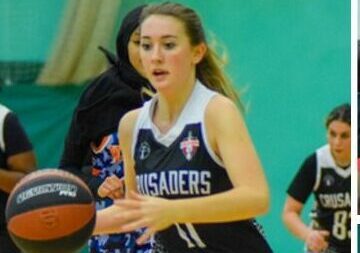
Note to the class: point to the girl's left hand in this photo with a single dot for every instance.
(140, 211)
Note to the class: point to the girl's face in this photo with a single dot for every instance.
(339, 138)
(134, 53)
(168, 57)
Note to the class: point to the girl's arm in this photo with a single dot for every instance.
(291, 217)
(314, 239)
(126, 132)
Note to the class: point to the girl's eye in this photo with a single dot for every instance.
(136, 42)
(345, 136)
(332, 134)
(145, 46)
(170, 45)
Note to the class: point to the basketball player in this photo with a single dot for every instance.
(187, 151)
(326, 174)
(17, 159)
(94, 130)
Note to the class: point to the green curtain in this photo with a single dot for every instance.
(45, 114)
(85, 26)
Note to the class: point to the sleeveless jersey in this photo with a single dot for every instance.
(331, 186)
(106, 161)
(332, 193)
(181, 164)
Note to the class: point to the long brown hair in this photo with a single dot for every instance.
(210, 70)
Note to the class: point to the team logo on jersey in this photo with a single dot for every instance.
(189, 146)
(144, 150)
(329, 180)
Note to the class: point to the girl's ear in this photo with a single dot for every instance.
(199, 52)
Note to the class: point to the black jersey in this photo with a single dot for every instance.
(13, 141)
(181, 164)
(331, 186)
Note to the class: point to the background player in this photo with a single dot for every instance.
(16, 160)
(92, 138)
(326, 174)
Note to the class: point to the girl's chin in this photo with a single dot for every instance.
(160, 85)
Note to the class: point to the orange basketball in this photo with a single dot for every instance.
(50, 211)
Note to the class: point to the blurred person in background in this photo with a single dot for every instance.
(327, 174)
(17, 159)
(92, 142)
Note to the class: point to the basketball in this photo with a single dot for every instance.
(50, 211)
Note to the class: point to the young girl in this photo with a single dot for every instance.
(327, 174)
(191, 171)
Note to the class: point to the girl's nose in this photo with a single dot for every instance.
(156, 54)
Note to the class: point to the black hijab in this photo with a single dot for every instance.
(114, 92)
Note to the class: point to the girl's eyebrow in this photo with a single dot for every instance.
(163, 37)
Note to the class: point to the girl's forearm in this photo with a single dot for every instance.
(106, 221)
(237, 204)
(294, 223)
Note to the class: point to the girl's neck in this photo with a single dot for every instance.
(342, 163)
(169, 106)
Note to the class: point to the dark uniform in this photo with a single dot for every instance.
(331, 186)
(181, 164)
(13, 141)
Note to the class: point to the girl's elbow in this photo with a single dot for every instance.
(265, 203)
(262, 202)
(284, 217)
(288, 216)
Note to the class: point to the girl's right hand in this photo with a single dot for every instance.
(316, 240)
(112, 187)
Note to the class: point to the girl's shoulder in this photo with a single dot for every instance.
(221, 106)
(128, 121)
